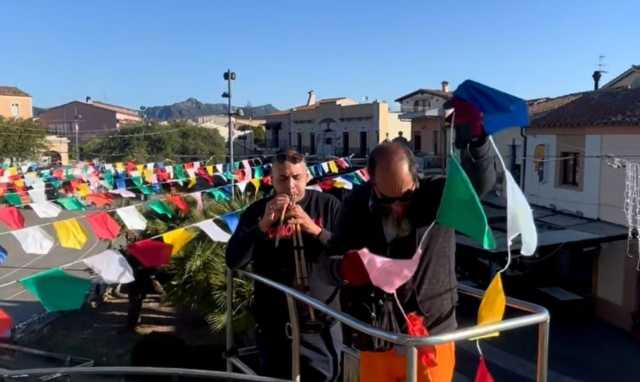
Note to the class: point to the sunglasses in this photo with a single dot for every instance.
(386, 200)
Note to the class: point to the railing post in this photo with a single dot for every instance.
(229, 318)
(412, 364)
(295, 339)
(543, 351)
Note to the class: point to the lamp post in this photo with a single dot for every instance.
(230, 76)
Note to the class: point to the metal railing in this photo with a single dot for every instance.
(537, 315)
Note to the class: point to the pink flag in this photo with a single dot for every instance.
(386, 273)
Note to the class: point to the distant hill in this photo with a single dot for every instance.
(38, 110)
(192, 108)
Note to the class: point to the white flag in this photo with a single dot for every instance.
(219, 167)
(46, 209)
(213, 231)
(124, 193)
(198, 197)
(111, 266)
(314, 187)
(38, 195)
(520, 218)
(325, 166)
(242, 186)
(34, 240)
(132, 218)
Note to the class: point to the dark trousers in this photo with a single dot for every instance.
(319, 353)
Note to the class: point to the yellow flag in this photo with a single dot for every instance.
(140, 168)
(210, 170)
(333, 167)
(19, 183)
(70, 233)
(192, 182)
(119, 166)
(12, 171)
(256, 184)
(148, 175)
(178, 238)
(83, 190)
(493, 305)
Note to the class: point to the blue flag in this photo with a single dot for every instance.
(231, 219)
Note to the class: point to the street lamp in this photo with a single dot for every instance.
(230, 76)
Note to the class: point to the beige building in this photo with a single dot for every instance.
(92, 118)
(15, 103)
(572, 147)
(628, 79)
(334, 127)
(425, 109)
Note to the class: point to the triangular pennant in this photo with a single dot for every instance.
(198, 197)
(180, 203)
(482, 372)
(520, 218)
(56, 290)
(13, 199)
(3, 257)
(258, 172)
(71, 203)
(123, 193)
(100, 200)
(219, 195)
(11, 217)
(256, 184)
(38, 195)
(150, 253)
(461, 209)
(178, 238)
(161, 208)
(103, 225)
(5, 322)
(242, 186)
(231, 219)
(111, 266)
(46, 209)
(34, 240)
(70, 233)
(214, 232)
(333, 167)
(493, 304)
(132, 218)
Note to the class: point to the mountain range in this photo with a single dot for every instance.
(192, 108)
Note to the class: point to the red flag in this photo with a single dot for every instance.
(162, 175)
(326, 185)
(131, 166)
(151, 253)
(353, 271)
(5, 322)
(416, 328)
(12, 217)
(482, 374)
(202, 172)
(342, 164)
(266, 181)
(103, 225)
(179, 202)
(100, 199)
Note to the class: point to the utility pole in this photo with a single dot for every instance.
(230, 76)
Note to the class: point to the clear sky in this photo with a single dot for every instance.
(158, 52)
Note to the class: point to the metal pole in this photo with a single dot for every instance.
(412, 364)
(229, 319)
(230, 132)
(543, 351)
(77, 146)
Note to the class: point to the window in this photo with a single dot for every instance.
(312, 143)
(569, 168)
(15, 110)
(436, 140)
(363, 144)
(539, 162)
(416, 106)
(275, 137)
(345, 143)
(417, 143)
(299, 142)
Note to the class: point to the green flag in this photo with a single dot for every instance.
(161, 208)
(460, 207)
(141, 186)
(57, 290)
(71, 203)
(219, 195)
(13, 199)
(108, 179)
(258, 173)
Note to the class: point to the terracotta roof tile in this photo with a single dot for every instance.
(12, 91)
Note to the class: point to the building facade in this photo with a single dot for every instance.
(15, 103)
(334, 127)
(92, 118)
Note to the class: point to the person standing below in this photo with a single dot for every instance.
(389, 216)
(268, 237)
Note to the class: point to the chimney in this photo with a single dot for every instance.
(445, 86)
(596, 79)
(311, 100)
(87, 99)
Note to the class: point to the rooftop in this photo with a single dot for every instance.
(12, 91)
(434, 92)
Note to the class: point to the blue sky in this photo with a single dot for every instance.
(158, 52)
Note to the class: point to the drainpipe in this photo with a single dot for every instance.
(524, 158)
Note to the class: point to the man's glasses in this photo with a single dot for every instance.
(386, 200)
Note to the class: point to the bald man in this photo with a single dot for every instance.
(388, 216)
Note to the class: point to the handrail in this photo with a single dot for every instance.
(133, 370)
(538, 315)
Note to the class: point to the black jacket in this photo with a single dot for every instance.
(249, 245)
(432, 291)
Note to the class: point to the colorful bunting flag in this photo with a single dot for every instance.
(57, 290)
(161, 208)
(38, 195)
(132, 218)
(179, 202)
(178, 238)
(13, 199)
(5, 322)
(256, 184)
(482, 373)
(46, 209)
(100, 200)
(103, 225)
(70, 233)
(520, 218)
(231, 219)
(214, 232)
(11, 217)
(333, 167)
(150, 253)
(219, 195)
(71, 203)
(493, 304)
(198, 197)
(111, 266)
(34, 240)
(460, 207)
(3, 257)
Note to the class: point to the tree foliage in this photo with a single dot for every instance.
(152, 142)
(22, 139)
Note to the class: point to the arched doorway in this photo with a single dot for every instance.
(327, 138)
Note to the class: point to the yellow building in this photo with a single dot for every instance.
(334, 127)
(15, 103)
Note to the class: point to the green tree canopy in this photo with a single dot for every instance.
(21, 139)
(178, 141)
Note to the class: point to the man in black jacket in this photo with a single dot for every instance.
(261, 239)
(388, 216)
